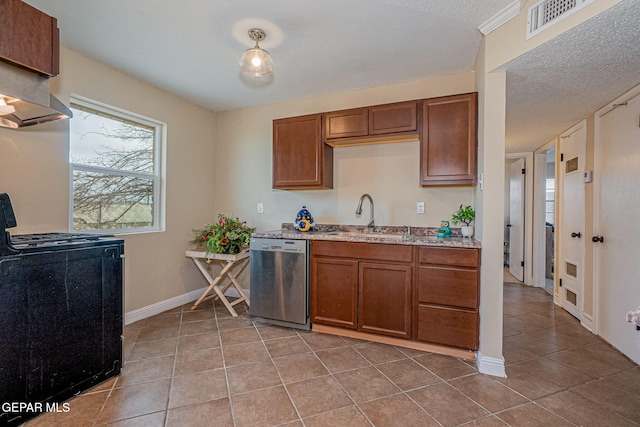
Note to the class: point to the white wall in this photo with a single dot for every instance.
(34, 170)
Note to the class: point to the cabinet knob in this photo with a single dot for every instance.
(596, 239)
(578, 235)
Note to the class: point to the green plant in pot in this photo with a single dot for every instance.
(464, 215)
(226, 236)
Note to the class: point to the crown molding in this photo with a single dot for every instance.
(501, 17)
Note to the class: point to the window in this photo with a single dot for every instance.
(115, 159)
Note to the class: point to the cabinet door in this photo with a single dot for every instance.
(385, 299)
(393, 118)
(449, 140)
(347, 123)
(300, 159)
(334, 292)
(29, 37)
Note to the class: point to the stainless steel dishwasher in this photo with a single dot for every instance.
(279, 282)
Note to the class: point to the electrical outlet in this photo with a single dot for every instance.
(420, 207)
(260, 208)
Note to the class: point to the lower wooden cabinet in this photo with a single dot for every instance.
(334, 292)
(354, 286)
(417, 293)
(448, 326)
(385, 299)
(449, 296)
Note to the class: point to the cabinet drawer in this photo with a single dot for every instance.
(448, 286)
(347, 123)
(448, 326)
(390, 118)
(371, 251)
(450, 256)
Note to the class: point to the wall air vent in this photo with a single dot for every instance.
(545, 13)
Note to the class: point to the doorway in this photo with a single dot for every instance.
(518, 231)
(544, 217)
(549, 219)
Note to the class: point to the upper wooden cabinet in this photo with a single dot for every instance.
(446, 127)
(29, 37)
(379, 120)
(392, 118)
(449, 140)
(301, 160)
(346, 123)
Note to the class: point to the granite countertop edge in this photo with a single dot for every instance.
(420, 236)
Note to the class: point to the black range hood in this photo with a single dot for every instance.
(28, 92)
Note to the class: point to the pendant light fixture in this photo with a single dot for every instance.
(256, 62)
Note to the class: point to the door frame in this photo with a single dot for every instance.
(528, 210)
(539, 232)
(621, 100)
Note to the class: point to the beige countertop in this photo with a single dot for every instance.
(395, 235)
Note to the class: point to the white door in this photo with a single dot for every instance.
(516, 220)
(573, 145)
(616, 258)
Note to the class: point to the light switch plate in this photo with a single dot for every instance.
(420, 207)
(260, 208)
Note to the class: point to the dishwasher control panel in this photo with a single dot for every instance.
(278, 245)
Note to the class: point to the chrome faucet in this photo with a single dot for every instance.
(359, 211)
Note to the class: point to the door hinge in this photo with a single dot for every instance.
(521, 263)
(523, 171)
(562, 157)
(560, 282)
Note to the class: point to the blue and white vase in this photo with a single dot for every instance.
(304, 220)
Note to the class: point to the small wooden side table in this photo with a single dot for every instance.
(232, 266)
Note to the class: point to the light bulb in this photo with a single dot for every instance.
(255, 61)
(4, 108)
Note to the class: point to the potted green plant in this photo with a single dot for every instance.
(464, 215)
(226, 236)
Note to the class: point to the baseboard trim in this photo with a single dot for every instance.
(399, 342)
(490, 365)
(171, 303)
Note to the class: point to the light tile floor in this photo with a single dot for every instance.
(205, 368)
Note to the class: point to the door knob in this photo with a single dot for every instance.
(596, 239)
(578, 235)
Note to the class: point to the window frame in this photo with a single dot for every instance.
(157, 176)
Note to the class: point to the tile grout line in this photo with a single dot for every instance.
(335, 379)
(224, 365)
(173, 371)
(286, 389)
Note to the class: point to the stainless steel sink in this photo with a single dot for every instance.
(371, 235)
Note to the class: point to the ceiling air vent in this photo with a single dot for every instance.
(545, 13)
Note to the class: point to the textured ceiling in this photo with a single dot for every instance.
(553, 87)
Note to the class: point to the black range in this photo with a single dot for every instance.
(61, 310)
